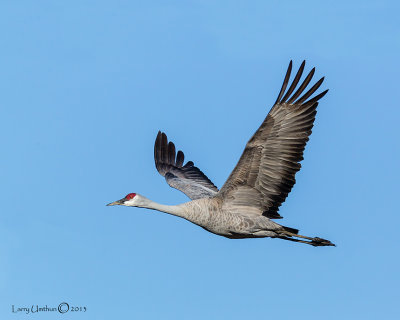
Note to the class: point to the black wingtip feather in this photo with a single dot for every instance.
(157, 151)
(311, 91)
(316, 98)
(171, 153)
(295, 82)
(287, 98)
(285, 82)
(180, 158)
(189, 164)
(302, 86)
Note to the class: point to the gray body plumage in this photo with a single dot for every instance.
(210, 214)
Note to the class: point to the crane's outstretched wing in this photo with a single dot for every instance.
(186, 178)
(265, 173)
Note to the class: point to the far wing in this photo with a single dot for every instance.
(265, 173)
(186, 178)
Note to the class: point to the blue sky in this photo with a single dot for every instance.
(86, 85)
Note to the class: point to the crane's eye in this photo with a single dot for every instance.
(130, 196)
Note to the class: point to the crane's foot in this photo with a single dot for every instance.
(319, 242)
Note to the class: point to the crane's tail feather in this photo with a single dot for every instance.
(291, 230)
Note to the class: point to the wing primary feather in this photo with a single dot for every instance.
(171, 153)
(303, 86)
(180, 158)
(310, 92)
(285, 82)
(189, 164)
(164, 148)
(295, 82)
(316, 98)
(157, 150)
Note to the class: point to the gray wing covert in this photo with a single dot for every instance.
(186, 178)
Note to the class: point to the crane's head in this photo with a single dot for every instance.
(130, 200)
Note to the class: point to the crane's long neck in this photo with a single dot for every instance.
(174, 210)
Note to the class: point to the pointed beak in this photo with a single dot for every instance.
(115, 203)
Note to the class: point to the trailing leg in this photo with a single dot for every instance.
(316, 242)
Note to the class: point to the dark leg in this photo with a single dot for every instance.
(316, 242)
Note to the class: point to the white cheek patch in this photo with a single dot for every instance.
(130, 202)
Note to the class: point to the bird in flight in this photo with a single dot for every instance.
(248, 202)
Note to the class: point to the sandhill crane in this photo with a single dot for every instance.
(261, 180)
